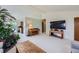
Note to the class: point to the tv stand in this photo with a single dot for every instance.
(57, 33)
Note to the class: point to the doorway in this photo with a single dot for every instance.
(76, 28)
(43, 25)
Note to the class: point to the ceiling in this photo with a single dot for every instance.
(52, 8)
(43, 8)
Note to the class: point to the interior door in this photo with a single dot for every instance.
(44, 26)
(76, 30)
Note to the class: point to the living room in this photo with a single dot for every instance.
(32, 17)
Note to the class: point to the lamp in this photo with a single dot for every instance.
(30, 26)
(29, 22)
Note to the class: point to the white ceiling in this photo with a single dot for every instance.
(52, 8)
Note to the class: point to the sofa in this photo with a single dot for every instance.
(75, 47)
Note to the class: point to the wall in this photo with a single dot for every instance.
(20, 12)
(63, 15)
(23, 11)
(36, 23)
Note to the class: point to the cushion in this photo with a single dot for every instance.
(1, 44)
(1, 50)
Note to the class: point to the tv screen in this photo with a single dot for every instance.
(58, 24)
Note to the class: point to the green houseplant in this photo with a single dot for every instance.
(7, 34)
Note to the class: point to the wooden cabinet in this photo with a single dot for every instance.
(33, 31)
(57, 33)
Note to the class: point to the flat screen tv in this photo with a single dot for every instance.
(58, 24)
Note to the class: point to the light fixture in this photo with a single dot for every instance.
(30, 26)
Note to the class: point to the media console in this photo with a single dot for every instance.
(57, 33)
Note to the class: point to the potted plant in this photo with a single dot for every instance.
(7, 34)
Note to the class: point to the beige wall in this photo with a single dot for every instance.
(63, 15)
(23, 11)
(20, 12)
(36, 23)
